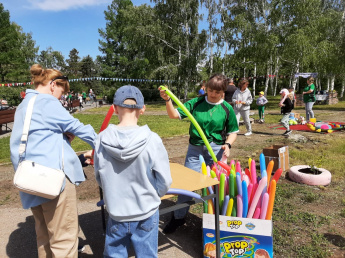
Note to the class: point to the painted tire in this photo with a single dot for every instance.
(322, 179)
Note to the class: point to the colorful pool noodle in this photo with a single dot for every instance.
(232, 163)
(253, 172)
(213, 174)
(226, 186)
(201, 159)
(210, 207)
(234, 208)
(238, 167)
(256, 197)
(264, 206)
(221, 190)
(192, 119)
(177, 191)
(208, 170)
(210, 190)
(249, 190)
(104, 125)
(262, 163)
(229, 208)
(247, 171)
(272, 194)
(204, 169)
(225, 166)
(275, 177)
(232, 186)
(249, 162)
(257, 213)
(225, 205)
(239, 206)
(204, 193)
(244, 199)
(246, 179)
(270, 166)
(239, 184)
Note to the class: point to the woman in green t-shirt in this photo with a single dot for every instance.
(217, 119)
(309, 98)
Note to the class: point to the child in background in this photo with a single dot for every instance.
(292, 95)
(286, 108)
(261, 102)
(132, 167)
(80, 98)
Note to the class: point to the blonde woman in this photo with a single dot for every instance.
(56, 221)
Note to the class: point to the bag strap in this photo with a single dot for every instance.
(26, 127)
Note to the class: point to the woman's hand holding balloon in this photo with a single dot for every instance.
(163, 94)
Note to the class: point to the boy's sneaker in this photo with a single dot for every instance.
(288, 132)
(173, 225)
(248, 133)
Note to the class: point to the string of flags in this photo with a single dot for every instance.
(93, 79)
(149, 80)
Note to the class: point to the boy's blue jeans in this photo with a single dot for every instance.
(142, 234)
(192, 162)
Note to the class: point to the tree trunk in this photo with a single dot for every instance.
(328, 81)
(254, 81)
(267, 79)
(276, 70)
(271, 75)
(332, 82)
(294, 80)
(342, 88)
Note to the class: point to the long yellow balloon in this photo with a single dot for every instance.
(192, 119)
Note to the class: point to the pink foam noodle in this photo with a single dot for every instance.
(257, 213)
(264, 206)
(249, 189)
(256, 197)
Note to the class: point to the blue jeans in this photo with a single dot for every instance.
(309, 111)
(192, 162)
(142, 234)
(285, 121)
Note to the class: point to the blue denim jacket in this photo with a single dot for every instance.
(48, 123)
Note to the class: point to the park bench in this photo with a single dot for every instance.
(6, 116)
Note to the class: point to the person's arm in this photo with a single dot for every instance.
(161, 167)
(59, 119)
(312, 87)
(230, 139)
(249, 100)
(172, 113)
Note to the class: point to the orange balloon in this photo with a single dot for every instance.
(272, 193)
(269, 170)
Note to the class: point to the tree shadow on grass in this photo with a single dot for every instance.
(336, 240)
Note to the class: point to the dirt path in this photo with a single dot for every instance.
(17, 225)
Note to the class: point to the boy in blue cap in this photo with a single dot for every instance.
(132, 167)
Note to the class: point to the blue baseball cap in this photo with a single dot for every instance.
(129, 92)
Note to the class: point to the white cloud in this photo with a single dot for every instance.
(61, 5)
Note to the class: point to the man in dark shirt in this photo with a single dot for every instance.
(231, 88)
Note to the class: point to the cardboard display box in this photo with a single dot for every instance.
(279, 154)
(239, 237)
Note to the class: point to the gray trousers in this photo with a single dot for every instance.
(309, 110)
(285, 121)
(245, 115)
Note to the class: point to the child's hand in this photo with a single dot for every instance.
(163, 94)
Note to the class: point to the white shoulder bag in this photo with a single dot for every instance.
(33, 178)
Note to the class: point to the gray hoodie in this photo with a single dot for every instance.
(132, 167)
(245, 96)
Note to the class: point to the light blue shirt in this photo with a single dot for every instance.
(48, 123)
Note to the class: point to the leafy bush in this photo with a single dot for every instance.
(12, 95)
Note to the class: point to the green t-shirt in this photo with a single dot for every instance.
(84, 95)
(211, 118)
(310, 97)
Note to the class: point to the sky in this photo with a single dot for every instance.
(62, 24)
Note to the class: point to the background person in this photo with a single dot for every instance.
(202, 89)
(261, 101)
(56, 221)
(309, 98)
(217, 119)
(242, 99)
(229, 92)
(132, 167)
(286, 108)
